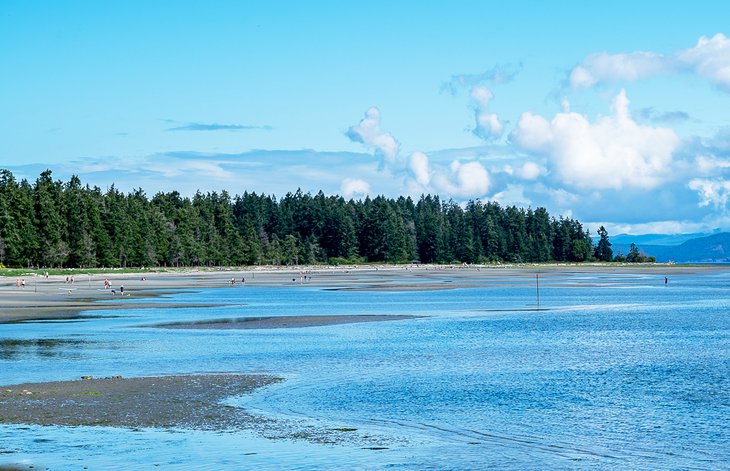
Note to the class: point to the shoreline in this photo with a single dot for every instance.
(52, 298)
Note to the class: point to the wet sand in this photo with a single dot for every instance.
(186, 401)
(189, 402)
(53, 298)
(281, 322)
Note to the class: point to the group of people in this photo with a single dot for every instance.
(20, 283)
(108, 285)
(233, 281)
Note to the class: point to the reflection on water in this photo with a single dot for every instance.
(619, 371)
(13, 349)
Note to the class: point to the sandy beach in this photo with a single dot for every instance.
(54, 298)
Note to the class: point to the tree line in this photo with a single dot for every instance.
(51, 223)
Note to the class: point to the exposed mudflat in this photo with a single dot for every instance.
(282, 322)
(185, 401)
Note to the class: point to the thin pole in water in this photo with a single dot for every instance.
(537, 288)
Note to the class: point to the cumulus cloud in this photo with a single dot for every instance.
(488, 126)
(419, 167)
(368, 132)
(529, 171)
(462, 180)
(709, 58)
(467, 180)
(354, 188)
(613, 153)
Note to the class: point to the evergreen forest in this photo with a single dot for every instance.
(50, 223)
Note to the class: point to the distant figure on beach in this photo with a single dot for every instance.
(243, 280)
(22, 283)
(17, 282)
(666, 281)
(114, 291)
(121, 289)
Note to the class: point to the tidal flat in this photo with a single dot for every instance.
(610, 368)
(181, 401)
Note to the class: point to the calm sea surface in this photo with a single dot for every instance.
(617, 371)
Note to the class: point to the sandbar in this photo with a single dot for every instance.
(182, 401)
(281, 322)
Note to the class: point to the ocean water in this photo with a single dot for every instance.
(615, 371)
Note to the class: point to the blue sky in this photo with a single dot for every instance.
(611, 112)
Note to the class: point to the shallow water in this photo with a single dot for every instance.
(616, 371)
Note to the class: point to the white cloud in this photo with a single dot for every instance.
(169, 167)
(604, 67)
(614, 152)
(581, 77)
(714, 192)
(533, 132)
(529, 171)
(468, 180)
(352, 188)
(488, 126)
(463, 180)
(710, 165)
(481, 95)
(709, 58)
(512, 195)
(368, 132)
(418, 165)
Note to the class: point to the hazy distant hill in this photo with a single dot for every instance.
(655, 239)
(713, 248)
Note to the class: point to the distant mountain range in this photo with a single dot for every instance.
(683, 248)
